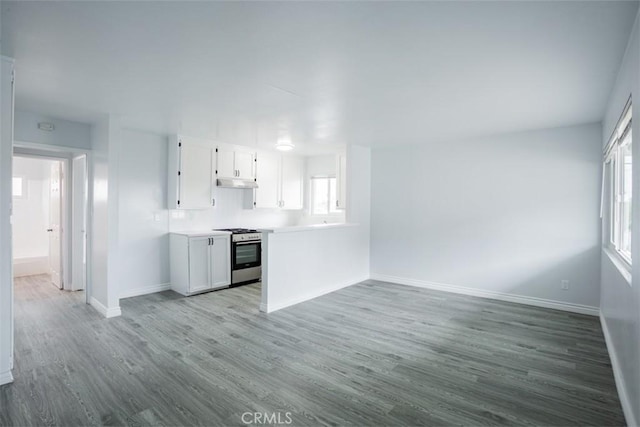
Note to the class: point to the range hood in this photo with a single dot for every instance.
(236, 183)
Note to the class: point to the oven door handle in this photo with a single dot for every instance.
(252, 242)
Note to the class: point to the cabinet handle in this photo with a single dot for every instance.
(337, 204)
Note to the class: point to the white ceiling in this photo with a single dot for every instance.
(370, 73)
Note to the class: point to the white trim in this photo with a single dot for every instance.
(6, 378)
(62, 151)
(106, 312)
(519, 299)
(151, 289)
(270, 308)
(620, 264)
(627, 407)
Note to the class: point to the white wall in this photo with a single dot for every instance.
(302, 265)
(104, 273)
(620, 301)
(66, 133)
(31, 213)
(143, 215)
(512, 214)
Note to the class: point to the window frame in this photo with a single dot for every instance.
(615, 168)
(331, 211)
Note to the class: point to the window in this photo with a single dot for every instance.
(19, 187)
(323, 195)
(618, 164)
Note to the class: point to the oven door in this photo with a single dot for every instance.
(246, 255)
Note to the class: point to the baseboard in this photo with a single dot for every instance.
(627, 407)
(6, 378)
(520, 299)
(106, 312)
(145, 290)
(270, 308)
(30, 266)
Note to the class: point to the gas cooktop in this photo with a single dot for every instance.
(238, 230)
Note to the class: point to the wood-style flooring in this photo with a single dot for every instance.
(369, 355)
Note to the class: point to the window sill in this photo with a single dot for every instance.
(621, 265)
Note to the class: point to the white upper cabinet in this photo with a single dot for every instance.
(341, 181)
(226, 167)
(190, 173)
(267, 195)
(280, 181)
(292, 182)
(235, 162)
(245, 164)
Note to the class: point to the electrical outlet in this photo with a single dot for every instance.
(564, 285)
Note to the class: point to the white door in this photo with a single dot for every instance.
(199, 254)
(244, 161)
(225, 163)
(267, 174)
(292, 182)
(55, 221)
(221, 262)
(195, 176)
(342, 182)
(79, 223)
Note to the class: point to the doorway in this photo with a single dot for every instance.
(49, 219)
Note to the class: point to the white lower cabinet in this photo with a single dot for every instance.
(200, 263)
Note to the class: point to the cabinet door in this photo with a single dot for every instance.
(199, 271)
(195, 176)
(220, 262)
(244, 162)
(292, 182)
(225, 163)
(341, 186)
(268, 178)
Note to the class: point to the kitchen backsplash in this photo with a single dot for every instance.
(230, 212)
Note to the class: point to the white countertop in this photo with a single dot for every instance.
(201, 233)
(314, 227)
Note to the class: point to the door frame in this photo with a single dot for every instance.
(66, 155)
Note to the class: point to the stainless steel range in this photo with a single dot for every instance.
(246, 255)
